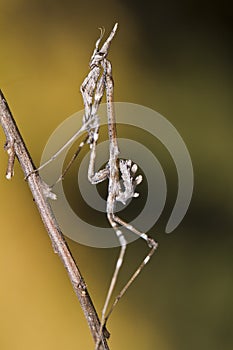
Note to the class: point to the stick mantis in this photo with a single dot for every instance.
(120, 173)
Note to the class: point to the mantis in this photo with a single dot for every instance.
(120, 173)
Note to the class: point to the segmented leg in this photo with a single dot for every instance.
(61, 178)
(119, 263)
(152, 244)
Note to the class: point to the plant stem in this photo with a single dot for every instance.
(15, 146)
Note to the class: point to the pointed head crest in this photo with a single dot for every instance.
(99, 54)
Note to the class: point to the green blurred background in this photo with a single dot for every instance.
(174, 57)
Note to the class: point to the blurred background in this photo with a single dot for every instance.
(174, 57)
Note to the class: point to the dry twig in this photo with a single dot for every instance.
(15, 147)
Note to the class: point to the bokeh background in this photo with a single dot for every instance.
(172, 56)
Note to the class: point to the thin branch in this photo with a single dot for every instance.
(15, 146)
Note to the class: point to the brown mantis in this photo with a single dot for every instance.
(120, 173)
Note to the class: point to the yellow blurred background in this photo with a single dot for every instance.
(174, 57)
